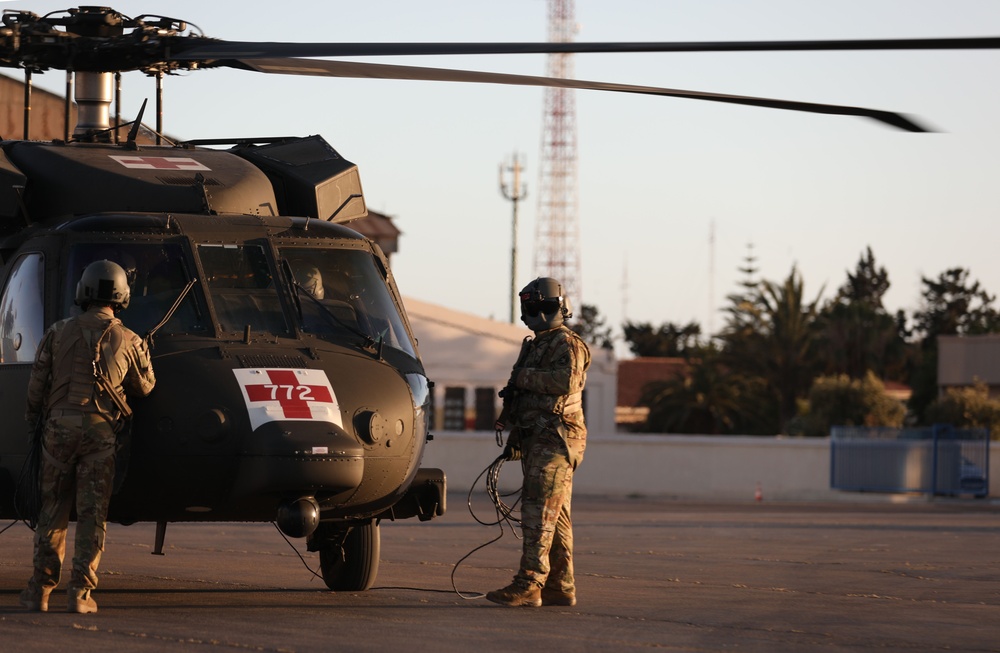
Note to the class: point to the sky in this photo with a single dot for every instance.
(672, 193)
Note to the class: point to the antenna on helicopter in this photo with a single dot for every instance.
(136, 124)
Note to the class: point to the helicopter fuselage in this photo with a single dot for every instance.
(286, 370)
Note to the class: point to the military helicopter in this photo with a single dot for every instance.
(290, 387)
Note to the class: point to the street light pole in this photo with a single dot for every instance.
(513, 192)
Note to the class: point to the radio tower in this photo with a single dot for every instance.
(557, 249)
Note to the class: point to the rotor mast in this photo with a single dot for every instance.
(94, 91)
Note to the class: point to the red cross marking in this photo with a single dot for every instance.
(160, 163)
(287, 391)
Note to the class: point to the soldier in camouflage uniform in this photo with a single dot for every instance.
(544, 405)
(80, 361)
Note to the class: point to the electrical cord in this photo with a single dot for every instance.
(316, 574)
(305, 563)
(7, 527)
(28, 490)
(504, 515)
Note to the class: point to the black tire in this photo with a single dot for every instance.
(357, 569)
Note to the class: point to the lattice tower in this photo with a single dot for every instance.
(557, 241)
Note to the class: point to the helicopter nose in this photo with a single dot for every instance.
(296, 458)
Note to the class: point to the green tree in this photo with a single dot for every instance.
(708, 399)
(788, 361)
(856, 332)
(842, 401)
(669, 339)
(952, 304)
(590, 326)
(970, 407)
(770, 334)
(744, 313)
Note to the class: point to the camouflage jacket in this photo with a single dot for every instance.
(63, 375)
(549, 380)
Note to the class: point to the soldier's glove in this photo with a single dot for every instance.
(513, 449)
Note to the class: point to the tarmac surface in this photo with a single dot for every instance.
(651, 574)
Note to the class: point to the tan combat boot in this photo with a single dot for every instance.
(517, 595)
(35, 598)
(558, 597)
(81, 602)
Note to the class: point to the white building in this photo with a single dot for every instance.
(469, 360)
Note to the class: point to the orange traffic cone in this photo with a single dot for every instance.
(758, 494)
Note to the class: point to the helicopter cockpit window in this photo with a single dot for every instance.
(242, 289)
(21, 318)
(342, 292)
(157, 273)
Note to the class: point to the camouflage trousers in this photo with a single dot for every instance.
(546, 525)
(78, 470)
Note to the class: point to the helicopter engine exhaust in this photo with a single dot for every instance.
(298, 517)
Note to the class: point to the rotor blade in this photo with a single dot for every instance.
(252, 50)
(358, 70)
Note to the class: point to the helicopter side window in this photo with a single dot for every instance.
(349, 293)
(242, 288)
(157, 272)
(21, 314)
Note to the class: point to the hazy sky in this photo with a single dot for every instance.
(655, 174)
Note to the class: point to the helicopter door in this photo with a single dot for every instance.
(22, 320)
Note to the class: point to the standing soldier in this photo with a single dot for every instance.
(83, 368)
(544, 404)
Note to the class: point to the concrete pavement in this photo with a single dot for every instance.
(660, 574)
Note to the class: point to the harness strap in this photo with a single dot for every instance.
(52, 460)
(98, 455)
(102, 357)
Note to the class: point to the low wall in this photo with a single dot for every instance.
(681, 466)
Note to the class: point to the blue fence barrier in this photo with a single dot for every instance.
(937, 459)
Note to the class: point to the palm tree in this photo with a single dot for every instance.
(710, 398)
(787, 358)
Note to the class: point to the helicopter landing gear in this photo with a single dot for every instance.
(349, 560)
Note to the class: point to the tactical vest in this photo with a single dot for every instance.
(82, 348)
(537, 408)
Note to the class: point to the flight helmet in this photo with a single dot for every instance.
(314, 283)
(543, 304)
(103, 282)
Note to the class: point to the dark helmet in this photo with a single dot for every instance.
(104, 282)
(543, 305)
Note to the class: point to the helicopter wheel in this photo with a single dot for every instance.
(353, 568)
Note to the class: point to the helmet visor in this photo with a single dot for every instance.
(532, 307)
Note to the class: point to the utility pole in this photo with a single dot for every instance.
(513, 192)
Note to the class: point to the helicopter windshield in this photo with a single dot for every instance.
(156, 275)
(242, 288)
(342, 291)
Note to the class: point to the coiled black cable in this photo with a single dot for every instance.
(506, 515)
(28, 491)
